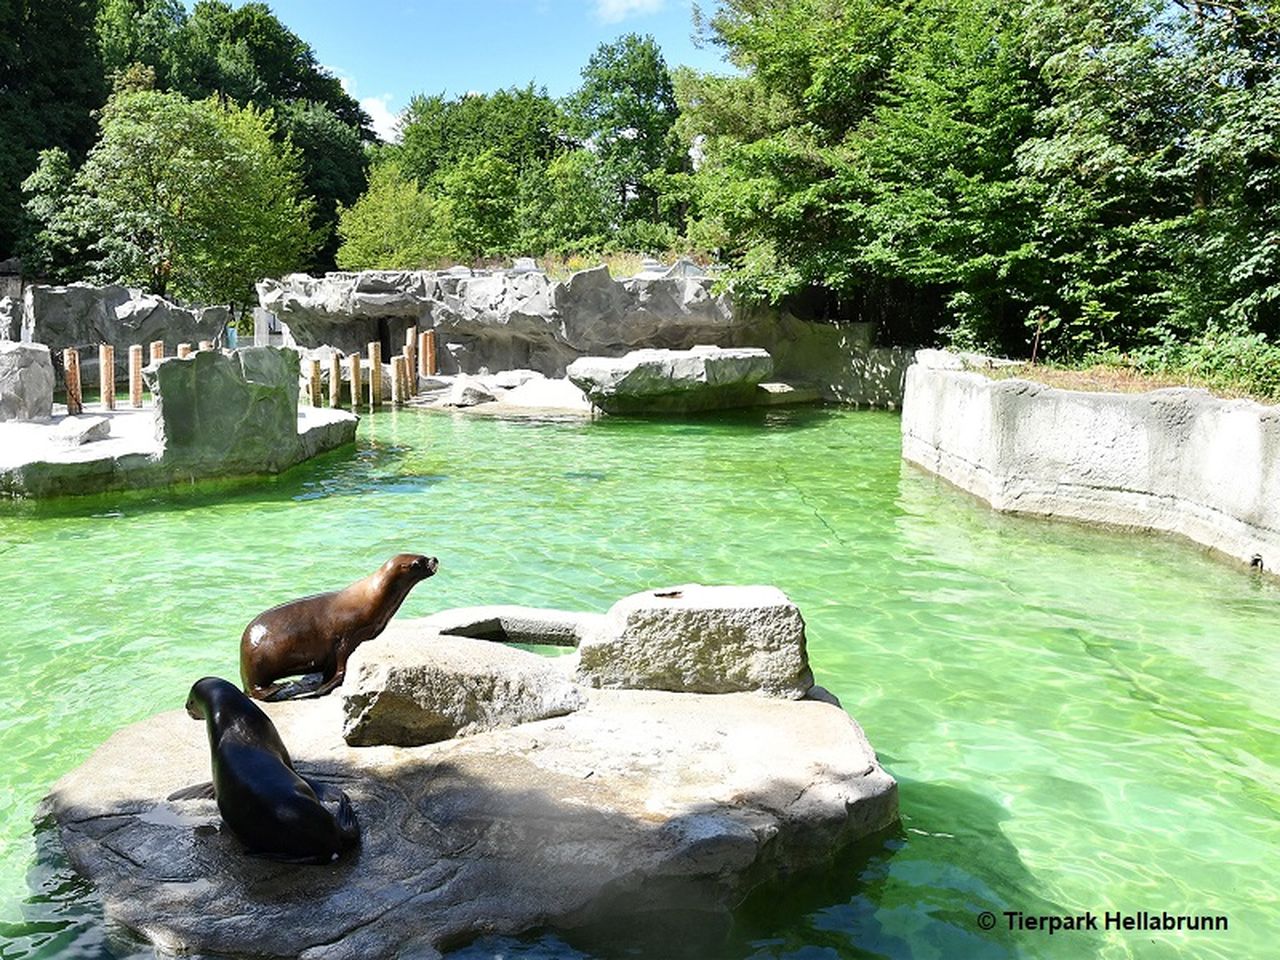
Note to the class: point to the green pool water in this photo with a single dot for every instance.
(1080, 720)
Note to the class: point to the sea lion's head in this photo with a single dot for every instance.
(410, 567)
(204, 694)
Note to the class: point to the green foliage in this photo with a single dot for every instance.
(52, 247)
(520, 125)
(143, 31)
(192, 199)
(50, 81)
(1222, 358)
(395, 225)
(247, 54)
(626, 110)
(566, 207)
(1103, 170)
(481, 195)
(334, 166)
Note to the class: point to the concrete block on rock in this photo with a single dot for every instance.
(700, 639)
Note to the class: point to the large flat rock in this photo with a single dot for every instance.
(639, 803)
(673, 381)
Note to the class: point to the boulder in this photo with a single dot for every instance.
(237, 410)
(26, 381)
(510, 379)
(547, 394)
(672, 381)
(656, 809)
(700, 639)
(408, 688)
(77, 431)
(466, 392)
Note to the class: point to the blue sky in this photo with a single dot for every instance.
(387, 50)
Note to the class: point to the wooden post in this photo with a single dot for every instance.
(355, 381)
(206, 344)
(422, 354)
(410, 351)
(313, 376)
(429, 351)
(71, 368)
(184, 350)
(157, 350)
(107, 375)
(335, 379)
(397, 380)
(135, 375)
(375, 374)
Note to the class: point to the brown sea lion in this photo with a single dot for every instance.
(270, 808)
(319, 633)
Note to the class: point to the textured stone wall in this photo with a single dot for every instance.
(1178, 460)
(83, 316)
(524, 320)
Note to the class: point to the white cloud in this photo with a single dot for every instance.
(383, 117)
(611, 11)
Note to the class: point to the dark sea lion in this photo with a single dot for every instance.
(319, 633)
(266, 804)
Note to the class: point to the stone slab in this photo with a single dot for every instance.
(641, 805)
(407, 689)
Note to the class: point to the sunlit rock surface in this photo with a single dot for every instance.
(642, 804)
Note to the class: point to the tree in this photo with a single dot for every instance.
(481, 195)
(50, 81)
(334, 166)
(191, 199)
(521, 125)
(245, 53)
(395, 225)
(625, 111)
(565, 207)
(150, 32)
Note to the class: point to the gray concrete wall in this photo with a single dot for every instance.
(1179, 461)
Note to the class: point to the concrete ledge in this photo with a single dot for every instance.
(35, 463)
(1178, 461)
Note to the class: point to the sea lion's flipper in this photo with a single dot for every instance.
(197, 791)
(300, 689)
(331, 796)
(348, 825)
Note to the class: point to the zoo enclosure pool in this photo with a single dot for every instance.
(1079, 719)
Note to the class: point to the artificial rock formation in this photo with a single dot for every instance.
(564, 807)
(700, 639)
(487, 322)
(672, 381)
(81, 315)
(26, 381)
(1175, 460)
(641, 806)
(412, 687)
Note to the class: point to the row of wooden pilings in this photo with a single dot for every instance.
(107, 373)
(418, 358)
(419, 353)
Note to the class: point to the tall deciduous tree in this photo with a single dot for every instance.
(520, 124)
(625, 111)
(394, 225)
(50, 81)
(481, 194)
(192, 199)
